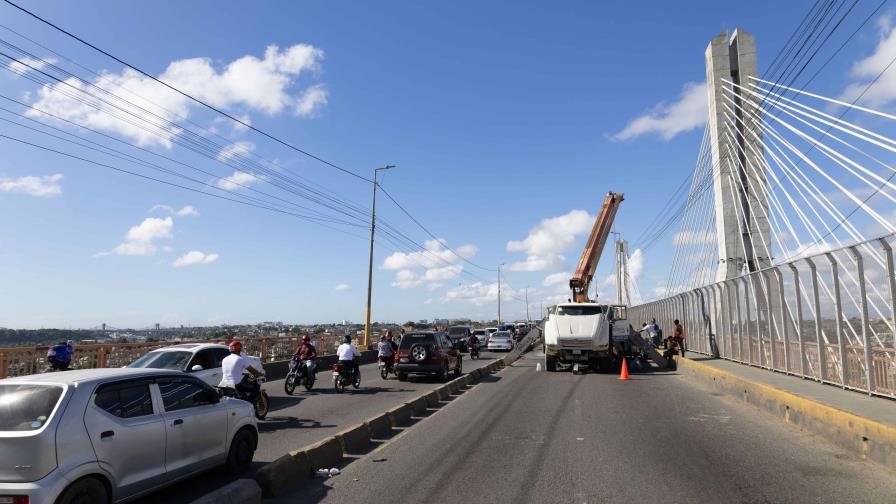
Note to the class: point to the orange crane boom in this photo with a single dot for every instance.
(581, 280)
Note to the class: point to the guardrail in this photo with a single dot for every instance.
(18, 361)
(827, 317)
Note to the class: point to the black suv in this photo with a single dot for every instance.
(460, 336)
(429, 353)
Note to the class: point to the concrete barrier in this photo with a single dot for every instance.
(401, 415)
(418, 406)
(862, 436)
(324, 454)
(444, 392)
(476, 374)
(241, 491)
(354, 439)
(380, 426)
(453, 385)
(432, 399)
(276, 477)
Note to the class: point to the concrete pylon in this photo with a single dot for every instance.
(740, 183)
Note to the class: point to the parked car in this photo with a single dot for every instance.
(490, 330)
(459, 336)
(522, 329)
(501, 340)
(113, 434)
(429, 353)
(202, 360)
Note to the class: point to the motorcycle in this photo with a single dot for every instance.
(262, 404)
(474, 351)
(387, 365)
(342, 377)
(300, 373)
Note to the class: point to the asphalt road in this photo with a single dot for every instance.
(309, 416)
(524, 436)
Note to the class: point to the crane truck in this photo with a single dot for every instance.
(581, 332)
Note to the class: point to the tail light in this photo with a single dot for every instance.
(337, 368)
(14, 499)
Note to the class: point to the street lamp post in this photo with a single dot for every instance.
(370, 262)
(499, 293)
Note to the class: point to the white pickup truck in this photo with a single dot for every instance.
(581, 333)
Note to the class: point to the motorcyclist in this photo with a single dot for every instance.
(307, 353)
(233, 367)
(474, 342)
(387, 348)
(347, 353)
(60, 355)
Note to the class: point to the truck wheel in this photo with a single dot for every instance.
(550, 364)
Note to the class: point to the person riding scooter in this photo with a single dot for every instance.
(474, 343)
(307, 354)
(60, 355)
(347, 355)
(386, 350)
(233, 366)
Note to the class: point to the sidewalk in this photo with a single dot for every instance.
(862, 424)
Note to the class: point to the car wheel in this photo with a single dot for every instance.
(242, 450)
(460, 367)
(289, 386)
(85, 491)
(402, 377)
(444, 375)
(419, 353)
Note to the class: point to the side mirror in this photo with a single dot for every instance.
(212, 396)
(197, 367)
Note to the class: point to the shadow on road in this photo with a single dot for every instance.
(275, 423)
(277, 403)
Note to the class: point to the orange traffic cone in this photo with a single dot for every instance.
(623, 375)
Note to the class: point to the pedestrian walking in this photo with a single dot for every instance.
(678, 336)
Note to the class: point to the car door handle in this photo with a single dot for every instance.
(179, 421)
(107, 434)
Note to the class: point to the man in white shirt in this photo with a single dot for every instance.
(233, 367)
(347, 353)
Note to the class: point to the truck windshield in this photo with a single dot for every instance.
(581, 310)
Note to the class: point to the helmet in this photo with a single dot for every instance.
(348, 338)
(236, 346)
(69, 342)
(306, 338)
(389, 335)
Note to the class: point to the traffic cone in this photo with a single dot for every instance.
(623, 375)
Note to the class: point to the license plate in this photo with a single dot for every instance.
(403, 359)
(577, 352)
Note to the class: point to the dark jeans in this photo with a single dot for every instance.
(353, 366)
(249, 389)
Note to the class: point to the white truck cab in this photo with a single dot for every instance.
(581, 333)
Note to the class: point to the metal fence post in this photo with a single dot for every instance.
(799, 316)
(819, 340)
(729, 313)
(771, 326)
(784, 312)
(748, 283)
(740, 336)
(869, 363)
(891, 285)
(841, 345)
(4, 367)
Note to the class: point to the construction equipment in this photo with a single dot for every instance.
(581, 280)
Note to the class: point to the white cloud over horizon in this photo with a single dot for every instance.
(865, 70)
(668, 120)
(141, 239)
(194, 257)
(548, 239)
(188, 211)
(42, 185)
(436, 262)
(341, 287)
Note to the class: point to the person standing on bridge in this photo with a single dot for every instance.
(678, 335)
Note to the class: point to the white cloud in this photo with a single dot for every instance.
(311, 100)
(26, 64)
(248, 82)
(867, 69)
(669, 119)
(161, 208)
(45, 185)
(235, 149)
(341, 287)
(548, 239)
(556, 279)
(636, 264)
(239, 179)
(141, 239)
(194, 257)
(433, 286)
(407, 279)
(428, 301)
(188, 211)
(445, 273)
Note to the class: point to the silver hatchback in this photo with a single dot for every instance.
(110, 435)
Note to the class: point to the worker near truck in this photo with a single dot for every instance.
(678, 335)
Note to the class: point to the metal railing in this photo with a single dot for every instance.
(827, 317)
(18, 361)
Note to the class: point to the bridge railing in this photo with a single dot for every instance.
(18, 361)
(827, 317)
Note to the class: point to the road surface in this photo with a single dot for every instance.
(525, 436)
(307, 417)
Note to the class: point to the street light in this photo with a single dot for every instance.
(370, 262)
(499, 293)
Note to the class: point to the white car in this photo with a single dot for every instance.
(500, 340)
(202, 360)
(113, 434)
(490, 330)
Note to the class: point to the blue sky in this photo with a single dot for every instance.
(498, 115)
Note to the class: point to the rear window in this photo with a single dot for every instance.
(581, 310)
(458, 331)
(175, 360)
(27, 407)
(501, 334)
(413, 338)
(479, 332)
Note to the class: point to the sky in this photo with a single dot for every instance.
(507, 123)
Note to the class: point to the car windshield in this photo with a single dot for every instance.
(581, 310)
(413, 338)
(479, 332)
(457, 331)
(501, 334)
(175, 360)
(27, 407)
